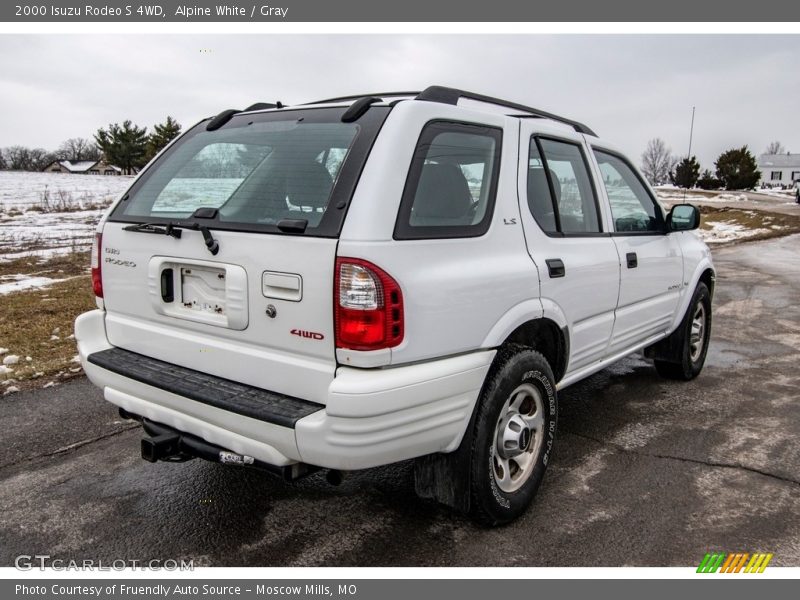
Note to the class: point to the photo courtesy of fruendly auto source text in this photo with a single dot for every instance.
(375, 301)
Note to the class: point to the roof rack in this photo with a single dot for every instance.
(446, 95)
(359, 96)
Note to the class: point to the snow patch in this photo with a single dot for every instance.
(719, 231)
(11, 359)
(18, 283)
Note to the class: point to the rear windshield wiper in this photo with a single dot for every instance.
(168, 229)
(174, 230)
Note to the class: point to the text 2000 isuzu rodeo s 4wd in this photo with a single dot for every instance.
(365, 280)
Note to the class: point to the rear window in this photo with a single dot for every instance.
(257, 171)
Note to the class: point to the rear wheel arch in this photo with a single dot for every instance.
(546, 337)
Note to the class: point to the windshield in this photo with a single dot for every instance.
(256, 171)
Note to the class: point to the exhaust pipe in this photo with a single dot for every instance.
(161, 447)
(334, 477)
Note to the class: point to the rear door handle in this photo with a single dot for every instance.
(633, 260)
(555, 267)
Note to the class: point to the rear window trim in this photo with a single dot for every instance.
(369, 126)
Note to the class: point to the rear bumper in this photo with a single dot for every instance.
(372, 416)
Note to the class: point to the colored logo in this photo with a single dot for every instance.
(734, 562)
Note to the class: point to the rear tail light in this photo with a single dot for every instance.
(368, 306)
(97, 276)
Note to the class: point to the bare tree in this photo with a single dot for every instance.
(17, 158)
(40, 158)
(775, 148)
(657, 161)
(78, 149)
(20, 158)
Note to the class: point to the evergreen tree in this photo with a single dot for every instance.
(737, 169)
(707, 181)
(123, 145)
(163, 134)
(686, 173)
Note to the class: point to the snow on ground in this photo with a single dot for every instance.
(718, 232)
(46, 234)
(777, 193)
(18, 283)
(33, 221)
(678, 195)
(23, 189)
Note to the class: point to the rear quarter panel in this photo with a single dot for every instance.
(455, 291)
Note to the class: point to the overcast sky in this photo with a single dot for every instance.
(627, 88)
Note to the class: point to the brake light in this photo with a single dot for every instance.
(97, 276)
(368, 306)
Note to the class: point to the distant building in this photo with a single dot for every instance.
(779, 170)
(83, 167)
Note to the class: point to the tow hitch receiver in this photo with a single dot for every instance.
(168, 444)
(161, 447)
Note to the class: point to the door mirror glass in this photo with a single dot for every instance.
(684, 217)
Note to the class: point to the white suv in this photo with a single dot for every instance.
(365, 280)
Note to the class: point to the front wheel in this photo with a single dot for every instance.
(515, 428)
(691, 339)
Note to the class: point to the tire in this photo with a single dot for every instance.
(519, 394)
(691, 344)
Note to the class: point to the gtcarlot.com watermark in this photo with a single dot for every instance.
(28, 562)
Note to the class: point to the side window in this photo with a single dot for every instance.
(633, 209)
(451, 185)
(560, 193)
(540, 200)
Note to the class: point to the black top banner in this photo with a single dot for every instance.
(463, 11)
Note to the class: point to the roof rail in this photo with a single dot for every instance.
(446, 95)
(359, 96)
(263, 106)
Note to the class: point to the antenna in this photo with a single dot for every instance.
(689, 154)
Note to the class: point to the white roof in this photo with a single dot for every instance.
(779, 161)
(78, 166)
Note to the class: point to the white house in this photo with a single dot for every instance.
(779, 170)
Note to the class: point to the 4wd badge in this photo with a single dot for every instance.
(307, 334)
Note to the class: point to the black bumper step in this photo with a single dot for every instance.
(238, 398)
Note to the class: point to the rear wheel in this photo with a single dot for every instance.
(515, 428)
(691, 339)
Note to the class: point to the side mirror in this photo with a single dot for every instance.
(683, 217)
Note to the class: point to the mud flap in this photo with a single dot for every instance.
(670, 349)
(446, 477)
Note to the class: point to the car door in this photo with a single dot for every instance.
(651, 278)
(576, 259)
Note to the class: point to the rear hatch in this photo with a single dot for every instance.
(220, 258)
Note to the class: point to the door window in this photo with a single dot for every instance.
(633, 209)
(560, 193)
